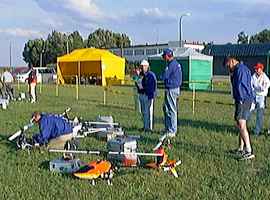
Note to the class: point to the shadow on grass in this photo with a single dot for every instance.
(3, 138)
(115, 107)
(200, 149)
(45, 165)
(11, 145)
(210, 126)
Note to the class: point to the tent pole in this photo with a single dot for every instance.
(79, 72)
(193, 99)
(78, 80)
(77, 87)
(57, 80)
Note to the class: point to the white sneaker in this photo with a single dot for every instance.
(170, 134)
(247, 156)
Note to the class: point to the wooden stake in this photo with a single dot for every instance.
(193, 99)
(77, 87)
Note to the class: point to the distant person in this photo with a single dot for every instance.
(172, 79)
(138, 90)
(8, 80)
(55, 130)
(243, 97)
(260, 84)
(149, 86)
(32, 82)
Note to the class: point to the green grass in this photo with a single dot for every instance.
(207, 171)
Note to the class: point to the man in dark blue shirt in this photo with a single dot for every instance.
(149, 87)
(243, 97)
(172, 79)
(55, 130)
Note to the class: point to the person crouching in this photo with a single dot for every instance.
(149, 85)
(55, 130)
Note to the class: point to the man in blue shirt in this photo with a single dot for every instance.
(172, 79)
(55, 130)
(149, 87)
(243, 97)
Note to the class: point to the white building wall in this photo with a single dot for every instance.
(140, 52)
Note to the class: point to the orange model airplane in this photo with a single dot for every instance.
(96, 169)
(162, 162)
(104, 169)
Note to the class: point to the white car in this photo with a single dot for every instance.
(44, 75)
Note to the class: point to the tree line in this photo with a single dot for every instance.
(261, 37)
(43, 52)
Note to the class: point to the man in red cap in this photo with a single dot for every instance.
(260, 84)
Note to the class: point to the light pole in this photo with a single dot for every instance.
(267, 62)
(180, 27)
(67, 47)
(41, 62)
(10, 54)
(67, 43)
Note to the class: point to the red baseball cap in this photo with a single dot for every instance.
(259, 66)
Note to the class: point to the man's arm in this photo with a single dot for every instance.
(45, 132)
(266, 82)
(168, 71)
(240, 80)
(180, 74)
(152, 85)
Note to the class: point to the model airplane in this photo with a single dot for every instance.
(162, 162)
(104, 129)
(104, 168)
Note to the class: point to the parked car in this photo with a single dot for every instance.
(44, 75)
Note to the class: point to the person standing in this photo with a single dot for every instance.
(149, 86)
(172, 77)
(243, 97)
(138, 90)
(260, 84)
(7, 79)
(32, 82)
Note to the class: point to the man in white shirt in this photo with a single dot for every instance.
(260, 84)
(7, 79)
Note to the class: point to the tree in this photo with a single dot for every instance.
(75, 41)
(107, 39)
(56, 46)
(242, 38)
(122, 40)
(32, 51)
(261, 37)
(207, 48)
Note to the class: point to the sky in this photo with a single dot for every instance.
(144, 21)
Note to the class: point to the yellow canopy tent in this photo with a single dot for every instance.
(86, 62)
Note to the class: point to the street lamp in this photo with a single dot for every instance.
(41, 62)
(180, 27)
(68, 42)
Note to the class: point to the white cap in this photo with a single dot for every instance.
(144, 62)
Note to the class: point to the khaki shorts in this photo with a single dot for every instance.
(59, 142)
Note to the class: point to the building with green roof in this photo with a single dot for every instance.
(250, 54)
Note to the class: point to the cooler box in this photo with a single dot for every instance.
(126, 145)
(110, 133)
(65, 166)
(107, 119)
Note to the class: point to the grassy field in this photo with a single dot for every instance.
(202, 142)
